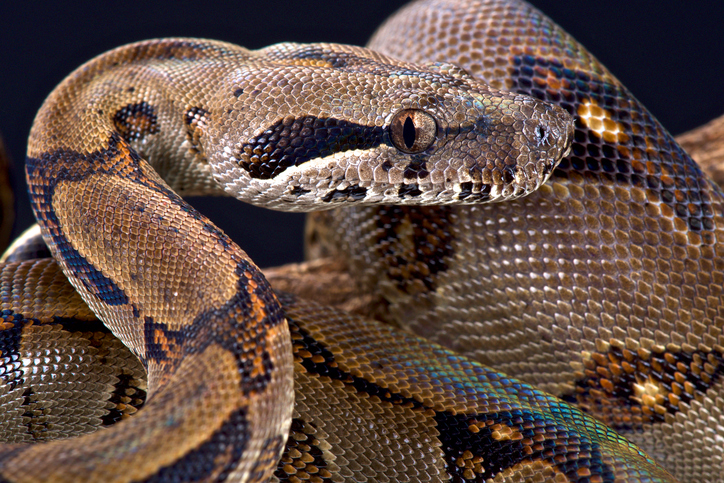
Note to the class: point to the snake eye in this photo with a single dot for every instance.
(412, 130)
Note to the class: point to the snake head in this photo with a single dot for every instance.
(320, 124)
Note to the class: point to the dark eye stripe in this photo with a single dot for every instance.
(294, 141)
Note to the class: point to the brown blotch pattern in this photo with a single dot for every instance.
(628, 389)
(136, 121)
(413, 244)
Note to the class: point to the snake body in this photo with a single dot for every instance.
(604, 286)
(291, 126)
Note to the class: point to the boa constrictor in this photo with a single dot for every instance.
(337, 124)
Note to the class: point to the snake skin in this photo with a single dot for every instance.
(372, 404)
(290, 123)
(603, 287)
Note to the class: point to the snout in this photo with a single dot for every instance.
(545, 139)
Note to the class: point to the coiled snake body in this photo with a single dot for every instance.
(293, 125)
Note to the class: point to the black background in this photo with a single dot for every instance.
(669, 53)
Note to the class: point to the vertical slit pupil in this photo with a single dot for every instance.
(408, 132)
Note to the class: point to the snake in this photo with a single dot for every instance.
(293, 126)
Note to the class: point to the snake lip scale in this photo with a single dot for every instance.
(449, 223)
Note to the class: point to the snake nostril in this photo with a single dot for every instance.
(541, 134)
